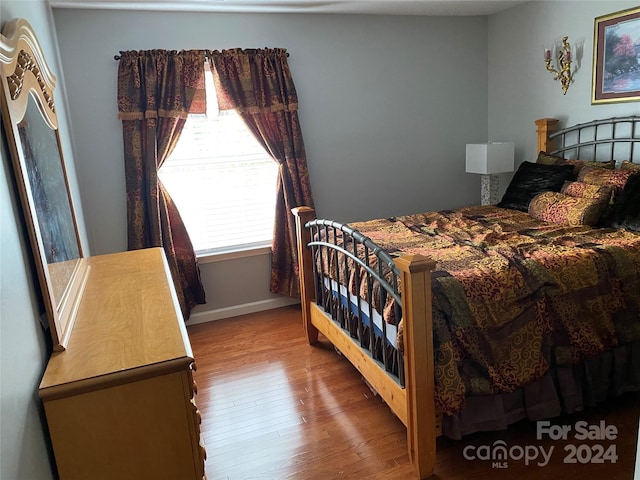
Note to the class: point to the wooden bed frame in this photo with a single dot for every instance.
(414, 404)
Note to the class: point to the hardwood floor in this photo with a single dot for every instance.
(275, 408)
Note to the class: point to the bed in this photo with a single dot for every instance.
(471, 319)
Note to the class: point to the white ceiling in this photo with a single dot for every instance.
(379, 7)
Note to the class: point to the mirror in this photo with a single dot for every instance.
(31, 126)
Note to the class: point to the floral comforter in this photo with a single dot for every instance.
(513, 296)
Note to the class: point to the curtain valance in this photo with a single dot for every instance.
(253, 80)
(161, 83)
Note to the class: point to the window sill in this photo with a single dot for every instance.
(232, 254)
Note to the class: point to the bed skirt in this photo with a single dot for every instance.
(563, 389)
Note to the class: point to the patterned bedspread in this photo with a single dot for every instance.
(513, 295)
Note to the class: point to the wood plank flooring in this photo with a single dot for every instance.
(275, 408)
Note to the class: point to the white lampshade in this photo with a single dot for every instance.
(490, 158)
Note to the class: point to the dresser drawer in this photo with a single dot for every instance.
(134, 431)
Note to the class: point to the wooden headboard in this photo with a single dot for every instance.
(615, 138)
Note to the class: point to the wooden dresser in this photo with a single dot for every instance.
(120, 400)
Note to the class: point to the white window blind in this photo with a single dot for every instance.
(222, 181)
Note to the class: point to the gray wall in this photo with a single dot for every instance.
(24, 346)
(520, 88)
(458, 80)
(385, 101)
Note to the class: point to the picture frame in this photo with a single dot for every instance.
(31, 125)
(616, 57)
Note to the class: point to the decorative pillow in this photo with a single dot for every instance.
(548, 159)
(578, 165)
(627, 165)
(600, 176)
(531, 179)
(626, 209)
(600, 193)
(557, 207)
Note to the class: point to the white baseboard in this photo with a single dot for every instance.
(236, 310)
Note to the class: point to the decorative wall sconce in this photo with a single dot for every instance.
(562, 68)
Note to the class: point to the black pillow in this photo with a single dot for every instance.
(626, 209)
(531, 179)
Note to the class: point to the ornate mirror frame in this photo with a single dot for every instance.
(31, 126)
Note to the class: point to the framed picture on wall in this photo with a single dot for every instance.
(616, 57)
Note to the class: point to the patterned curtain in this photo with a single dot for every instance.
(258, 85)
(156, 91)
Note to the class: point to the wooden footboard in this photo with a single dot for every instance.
(414, 404)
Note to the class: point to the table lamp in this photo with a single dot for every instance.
(489, 159)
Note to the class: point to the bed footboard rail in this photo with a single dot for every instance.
(414, 403)
(356, 284)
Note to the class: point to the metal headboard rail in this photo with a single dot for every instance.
(585, 136)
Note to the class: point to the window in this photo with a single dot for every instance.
(222, 180)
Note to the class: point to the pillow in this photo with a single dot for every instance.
(626, 209)
(600, 176)
(557, 207)
(531, 179)
(548, 159)
(600, 193)
(627, 165)
(578, 165)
